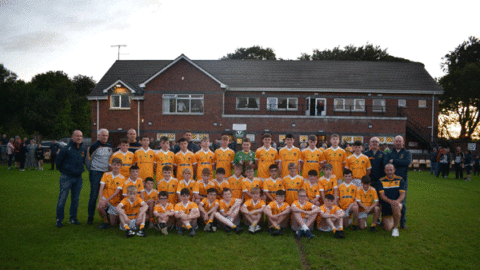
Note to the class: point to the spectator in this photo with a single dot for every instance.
(433, 161)
(444, 162)
(39, 156)
(468, 164)
(320, 108)
(458, 162)
(3, 144)
(31, 163)
(17, 145)
(476, 165)
(192, 147)
(10, 152)
(376, 157)
(132, 140)
(54, 150)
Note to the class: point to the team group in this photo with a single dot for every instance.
(141, 188)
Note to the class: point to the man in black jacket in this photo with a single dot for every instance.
(70, 162)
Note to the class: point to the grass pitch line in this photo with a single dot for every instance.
(303, 257)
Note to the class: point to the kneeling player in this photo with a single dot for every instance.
(252, 211)
(151, 197)
(208, 207)
(332, 217)
(304, 214)
(132, 211)
(367, 201)
(347, 192)
(163, 212)
(277, 213)
(392, 193)
(229, 212)
(186, 213)
(111, 194)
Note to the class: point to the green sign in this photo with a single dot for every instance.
(240, 133)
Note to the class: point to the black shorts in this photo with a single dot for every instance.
(468, 169)
(386, 209)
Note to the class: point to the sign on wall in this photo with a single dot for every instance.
(171, 136)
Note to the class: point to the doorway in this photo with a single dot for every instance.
(316, 106)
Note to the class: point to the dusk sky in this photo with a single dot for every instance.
(76, 36)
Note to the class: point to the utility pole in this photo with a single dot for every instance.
(119, 49)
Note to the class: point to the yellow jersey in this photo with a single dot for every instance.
(252, 206)
(112, 183)
(249, 184)
(204, 160)
(312, 159)
(159, 208)
(207, 205)
(224, 159)
(271, 186)
(307, 206)
(347, 194)
(150, 195)
(129, 182)
(313, 191)
(186, 209)
(337, 157)
(202, 187)
(333, 210)
(183, 161)
(163, 159)
(224, 207)
(132, 209)
(287, 156)
(144, 159)
(367, 198)
(236, 186)
(277, 209)
(184, 184)
(292, 185)
(328, 185)
(358, 165)
(220, 186)
(265, 158)
(127, 161)
(170, 187)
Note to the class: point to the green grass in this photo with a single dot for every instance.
(443, 219)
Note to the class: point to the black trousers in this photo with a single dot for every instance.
(458, 171)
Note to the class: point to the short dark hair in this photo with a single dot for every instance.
(148, 179)
(163, 193)
(273, 166)
(116, 160)
(212, 190)
(220, 170)
(184, 191)
(329, 197)
(225, 190)
(182, 140)
(164, 139)
(144, 136)
(124, 140)
(347, 171)
(266, 135)
(206, 171)
(357, 143)
(289, 136)
(313, 173)
(366, 179)
(166, 168)
(312, 138)
(134, 167)
(280, 192)
(249, 167)
(246, 140)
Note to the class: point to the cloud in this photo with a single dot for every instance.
(29, 42)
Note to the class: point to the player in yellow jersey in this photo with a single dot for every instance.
(332, 217)
(224, 156)
(250, 182)
(312, 189)
(277, 213)
(272, 184)
(184, 158)
(126, 156)
(186, 213)
(292, 183)
(358, 163)
(289, 154)
(187, 183)
(368, 204)
(110, 194)
(328, 183)
(252, 211)
(236, 181)
(151, 197)
(164, 212)
(132, 211)
(229, 211)
(304, 214)
(168, 184)
(208, 207)
(201, 187)
(164, 157)
(336, 156)
(265, 156)
(144, 158)
(347, 192)
(312, 157)
(134, 180)
(220, 182)
(205, 159)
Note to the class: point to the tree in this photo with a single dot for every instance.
(81, 108)
(255, 53)
(461, 86)
(368, 52)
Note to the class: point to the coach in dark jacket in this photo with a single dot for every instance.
(70, 161)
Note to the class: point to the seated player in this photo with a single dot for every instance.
(201, 187)
(277, 213)
(164, 212)
(332, 217)
(328, 183)
(272, 184)
(346, 200)
(220, 182)
(133, 180)
(229, 212)
(208, 207)
(132, 211)
(250, 182)
(252, 210)
(304, 214)
(236, 182)
(151, 196)
(111, 194)
(168, 184)
(186, 213)
(392, 193)
(292, 183)
(186, 182)
(311, 187)
(368, 204)
(125, 156)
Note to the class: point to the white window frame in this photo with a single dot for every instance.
(402, 103)
(344, 104)
(272, 104)
(188, 97)
(237, 101)
(379, 108)
(424, 105)
(120, 97)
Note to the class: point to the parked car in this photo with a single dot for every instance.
(46, 147)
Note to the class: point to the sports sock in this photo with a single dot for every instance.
(373, 224)
(340, 228)
(189, 227)
(210, 221)
(334, 230)
(234, 226)
(277, 227)
(142, 226)
(126, 227)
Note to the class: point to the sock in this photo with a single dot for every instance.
(162, 225)
(254, 224)
(189, 227)
(142, 226)
(210, 221)
(334, 230)
(355, 223)
(151, 219)
(234, 226)
(105, 220)
(277, 227)
(126, 227)
(340, 228)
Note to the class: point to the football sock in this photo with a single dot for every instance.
(334, 230)
(373, 224)
(341, 228)
(189, 227)
(142, 226)
(210, 221)
(126, 227)
(277, 227)
(234, 226)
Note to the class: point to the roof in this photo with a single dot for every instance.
(395, 77)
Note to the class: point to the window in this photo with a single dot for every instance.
(349, 104)
(248, 103)
(281, 103)
(422, 103)
(378, 105)
(120, 102)
(182, 104)
(402, 103)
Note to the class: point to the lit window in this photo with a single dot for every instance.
(120, 101)
(182, 104)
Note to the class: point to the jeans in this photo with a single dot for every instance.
(433, 168)
(68, 183)
(10, 159)
(95, 177)
(52, 160)
(458, 171)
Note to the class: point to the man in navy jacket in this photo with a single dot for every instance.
(70, 162)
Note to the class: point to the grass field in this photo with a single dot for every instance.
(443, 233)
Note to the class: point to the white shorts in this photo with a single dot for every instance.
(328, 229)
(357, 182)
(112, 210)
(363, 215)
(132, 225)
(347, 212)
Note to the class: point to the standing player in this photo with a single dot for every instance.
(289, 154)
(224, 156)
(125, 156)
(292, 183)
(164, 157)
(358, 163)
(265, 156)
(246, 157)
(312, 157)
(205, 159)
(144, 158)
(184, 159)
(187, 183)
(336, 156)
(312, 189)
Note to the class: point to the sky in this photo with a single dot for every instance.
(37, 36)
